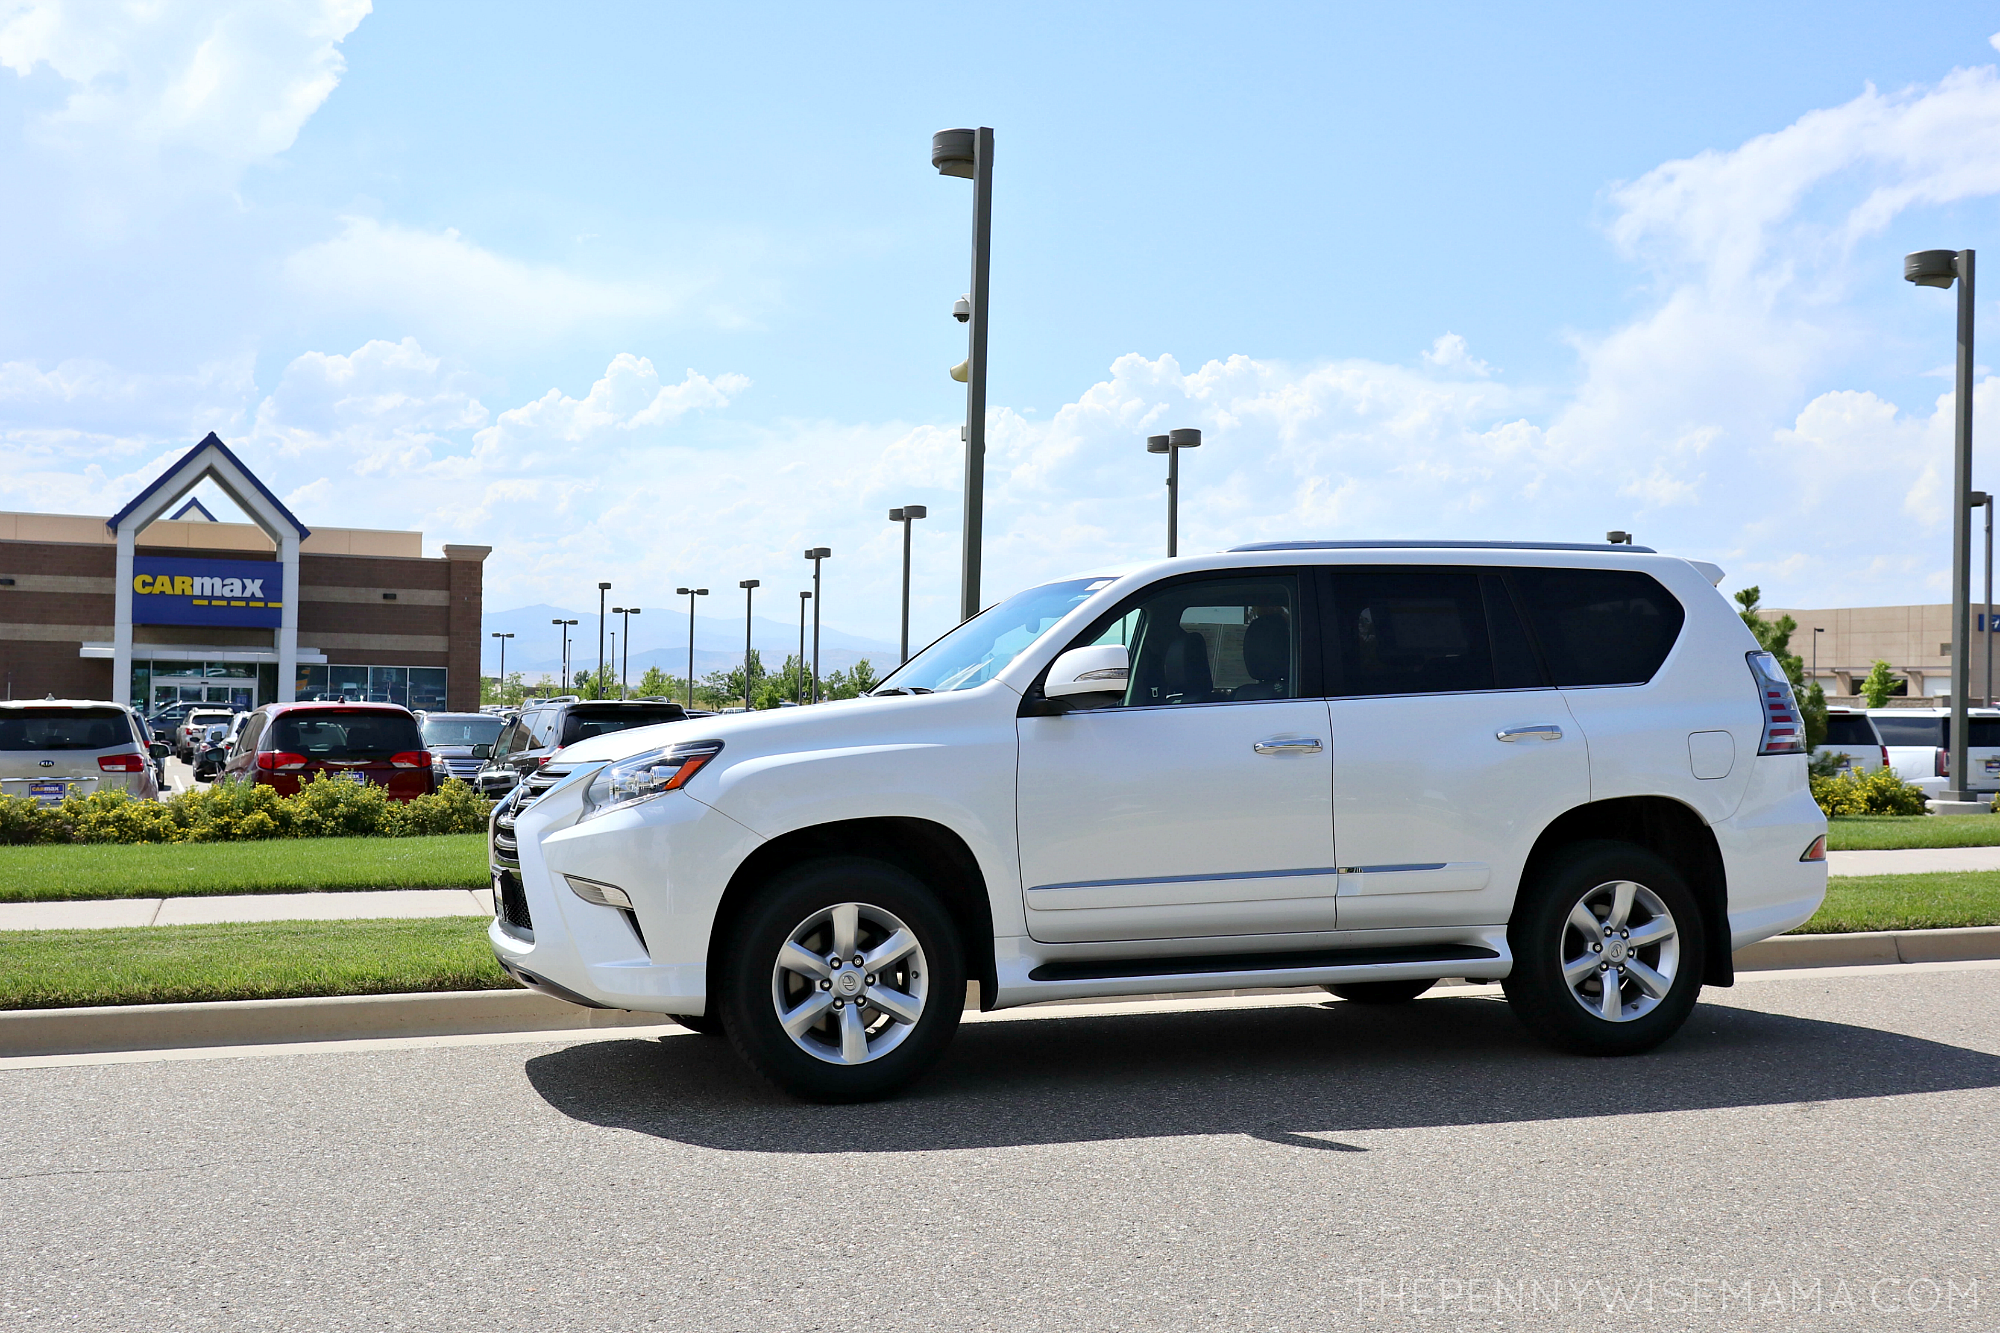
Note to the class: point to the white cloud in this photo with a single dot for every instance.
(1449, 352)
(234, 80)
(439, 281)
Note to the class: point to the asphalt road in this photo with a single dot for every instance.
(1812, 1152)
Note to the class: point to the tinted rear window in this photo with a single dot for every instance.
(462, 730)
(63, 729)
(1600, 626)
(1911, 730)
(345, 733)
(1849, 729)
(583, 723)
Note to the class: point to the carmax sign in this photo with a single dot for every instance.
(169, 591)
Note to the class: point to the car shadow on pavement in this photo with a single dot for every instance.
(1284, 1074)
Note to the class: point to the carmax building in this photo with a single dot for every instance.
(159, 603)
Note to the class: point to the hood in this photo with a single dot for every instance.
(769, 731)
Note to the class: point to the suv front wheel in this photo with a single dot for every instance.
(1607, 945)
(845, 980)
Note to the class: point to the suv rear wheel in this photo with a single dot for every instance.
(1607, 945)
(845, 980)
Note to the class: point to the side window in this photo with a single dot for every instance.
(1409, 632)
(542, 727)
(1600, 626)
(1232, 640)
(246, 740)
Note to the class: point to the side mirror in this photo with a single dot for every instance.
(159, 749)
(1102, 669)
(482, 752)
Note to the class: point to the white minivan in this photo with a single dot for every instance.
(1360, 765)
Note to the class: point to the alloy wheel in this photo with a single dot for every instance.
(850, 983)
(1620, 951)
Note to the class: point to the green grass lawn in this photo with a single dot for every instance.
(1874, 833)
(263, 960)
(279, 865)
(1908, 902)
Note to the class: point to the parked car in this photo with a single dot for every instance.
(164, 721)
(1358, 765)
(212, 753)
(460, 743)
(1919, 744)
(194, 727)
(547, 726)
(51, 748)
(286, 745)
(1851, 735)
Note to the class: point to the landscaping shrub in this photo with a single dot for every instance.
(326, 807)
(1878, 793)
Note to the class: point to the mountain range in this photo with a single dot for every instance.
(660, 638)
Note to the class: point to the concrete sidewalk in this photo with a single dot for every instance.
(1915, 861)
(373, 903)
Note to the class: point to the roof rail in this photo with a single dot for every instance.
(1438, 546)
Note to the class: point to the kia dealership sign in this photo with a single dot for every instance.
(170, 591)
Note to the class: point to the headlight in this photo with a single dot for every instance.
(645, 776)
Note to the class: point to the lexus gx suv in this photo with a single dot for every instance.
(1364, 766)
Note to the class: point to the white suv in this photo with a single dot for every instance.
(1365, 766)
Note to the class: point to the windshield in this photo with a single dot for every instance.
(980, 649)
(582, 723)
(462, 730)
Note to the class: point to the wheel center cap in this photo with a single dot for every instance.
(1615, 951)
(847, 984)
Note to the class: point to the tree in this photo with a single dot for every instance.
(1775, 638)
(725, 689)
(658, 682)
(509, 691)
(852, 683)
(1880, 684)
(789, 685)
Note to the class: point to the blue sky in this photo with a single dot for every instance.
(660, 293)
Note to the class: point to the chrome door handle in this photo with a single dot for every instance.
(1542, 733)
(1288, 745)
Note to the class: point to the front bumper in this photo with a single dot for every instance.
(670, 855)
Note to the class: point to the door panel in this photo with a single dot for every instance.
(1154, 823)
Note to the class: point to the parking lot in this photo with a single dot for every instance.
(1812, 1152)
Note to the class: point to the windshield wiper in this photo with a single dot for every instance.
(899, 689)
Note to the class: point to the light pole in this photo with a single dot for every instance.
(968, 154)
(690, 594)
(565, 652)
(1817, 631)
(1979, 500)
(906, 515)
(816, 554)
(799, 687)
(1940, 268)
(602, 588)
(503, 657)
(749, 587)
(625, 662)
(1171, 445)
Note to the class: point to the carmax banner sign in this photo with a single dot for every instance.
(169, 591)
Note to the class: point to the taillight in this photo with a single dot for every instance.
(1941, 765)
(411, 759)
(279, 760)
(1782, 732)
(121, 763)
(1885, 756)
(1817, 851)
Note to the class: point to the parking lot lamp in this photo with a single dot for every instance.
(1817, 631)
(968, 154)
(1171, 445)
(816, 554)
(1941, 268)
(799, 681)
(565, 651)
(602, 588)
(906, 515)
(1984, 500)
(503, 656)
(625, 662)
(1618, 538)
(690, 594)
(749, 587)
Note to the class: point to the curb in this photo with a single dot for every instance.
(148, 1027)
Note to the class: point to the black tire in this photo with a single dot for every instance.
(1543, 935)
(1380, 992)
(708, 1025)
(748, 991)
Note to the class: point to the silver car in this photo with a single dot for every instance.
(50, 748)
(460, 743)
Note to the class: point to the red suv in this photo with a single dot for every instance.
(284, 745)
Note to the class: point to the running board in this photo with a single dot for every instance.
(1119, 969)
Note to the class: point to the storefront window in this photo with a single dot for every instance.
(427, 687)
(347, 682)
(389, 685)
(311, 683)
